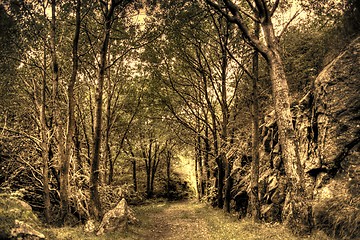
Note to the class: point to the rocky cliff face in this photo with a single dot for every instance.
(327, 122)
(335, 146)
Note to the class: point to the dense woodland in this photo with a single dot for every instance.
(102, 100)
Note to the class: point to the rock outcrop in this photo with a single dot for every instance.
(17, 221)
(335, 145)
(117, 218)
(22, 230)
(327, 122)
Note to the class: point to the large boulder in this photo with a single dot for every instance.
(117, 218)
(22, 230)
(17, 221)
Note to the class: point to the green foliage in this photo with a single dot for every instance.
(304, 51)
(309, 47)
(8, 52)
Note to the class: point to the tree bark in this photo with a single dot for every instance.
(78, 163)
(220, 181)
(155, 163)
(95, 204)
(219, 184)
(58, 123)
(224, 38)
(133, 162)
(108, 175)
(254, 175)
(296, 210)
(198, 161)
(228, 182)
(148, 164)
(196, 170)
(207, 156)
(168, 173)
(45, 148)
(65, 163)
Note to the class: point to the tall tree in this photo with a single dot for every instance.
(108, 9)
(296, 210)
(254, 175)
(56, 113)
(65, 162)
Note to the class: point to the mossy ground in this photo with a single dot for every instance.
(187, 220)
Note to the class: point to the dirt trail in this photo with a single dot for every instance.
(176, 221)
(188, 220)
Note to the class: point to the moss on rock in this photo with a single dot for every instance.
(13, 210)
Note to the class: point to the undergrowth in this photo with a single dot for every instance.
(339, 217)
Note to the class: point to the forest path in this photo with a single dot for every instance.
(174, 220)
(191, 220)
(186, 220)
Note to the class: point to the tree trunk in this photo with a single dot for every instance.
(228, 182)
(196, 170)
(198, 164)
(45, 146)
(154, 165)
(207, 156)
(220, 173)
(133, 162)
(45, 155)
(296, 210)
(220, 180)
(95, 204)
(148, 164)
(58, 124)
(254, 175)
(168, 171)
(219, 183)
(225, 116)
(65, 163)
(109, 165)
(134, 175)
(77, 148)
(108, 156)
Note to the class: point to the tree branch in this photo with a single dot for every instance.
(237, 19)
(289, 22)
(273, 9)
(23, 134)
